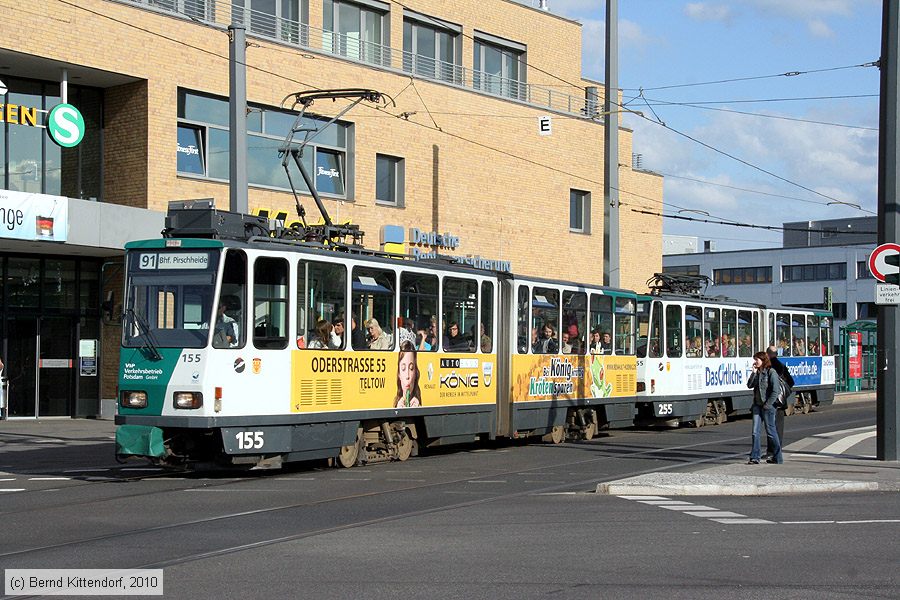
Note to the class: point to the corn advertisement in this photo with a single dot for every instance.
(326, 381)
(551, 377)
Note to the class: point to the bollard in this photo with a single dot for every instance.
(4, 386)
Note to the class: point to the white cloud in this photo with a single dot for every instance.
(820, 28)
(701, 11)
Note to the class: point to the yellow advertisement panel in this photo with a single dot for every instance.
(550, 377)
(323, 380)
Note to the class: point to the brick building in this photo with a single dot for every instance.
(457, 151)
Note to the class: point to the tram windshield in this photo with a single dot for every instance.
(169, 297)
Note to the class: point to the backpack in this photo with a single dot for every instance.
(784, 394)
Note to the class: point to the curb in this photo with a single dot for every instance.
(659, 484)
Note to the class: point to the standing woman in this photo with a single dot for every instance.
(766, 386)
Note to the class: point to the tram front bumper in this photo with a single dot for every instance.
(140, 440)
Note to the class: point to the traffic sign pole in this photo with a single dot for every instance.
(887, 419)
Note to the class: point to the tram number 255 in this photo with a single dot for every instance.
(249, 440)
(664, 408)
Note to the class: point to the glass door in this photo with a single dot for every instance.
(56, 382)
(21, 366)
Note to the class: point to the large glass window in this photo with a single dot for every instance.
(277, 19)
(693, 331)
(321, 302)
(740, 275)
(270, 303)
(650, 322)
(499, 69)
(783, 334)
(712, 331)
(545, 319)
(30, 161)
(203, 146)
(813, 348)
(601, 321)
(729, 333)
(431, 50)
(419, 311)
(459, 309)
(745, 333)
(815, 272)
(673, 331)
(373, 306)
(356, 30)
(798, 335)
(229, 329)
(487, 317)
(573, 336)
(825, 329)
(625, 326)
(525, 336)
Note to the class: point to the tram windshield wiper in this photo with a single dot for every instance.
(148, 343)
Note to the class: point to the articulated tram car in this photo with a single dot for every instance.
(256, 352)
(698, 353)
(253, 350)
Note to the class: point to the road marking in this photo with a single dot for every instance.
(697, 510)
(841, 446)
(13, 490)
(49, 479)
(744, 521)
(8, 479)
(85, 470)
(717, 514)
(861, 522)
(486, 481)
(665, 502)
(642, 497)
(690, 507)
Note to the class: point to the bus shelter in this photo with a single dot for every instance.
(857, 358)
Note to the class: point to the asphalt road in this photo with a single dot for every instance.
(505, 521)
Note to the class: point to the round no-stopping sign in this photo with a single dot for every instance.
(877, 265)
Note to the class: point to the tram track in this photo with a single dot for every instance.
(605, 454)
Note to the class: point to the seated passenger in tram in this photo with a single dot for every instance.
(712, 347)
(594, 345)
(378, 339)
(606, 343)
(746, 347)
(565, 346)
(454, 341)
(485, 341)
(547, 344)
(695, 349)
(324, 337)
(406, 331)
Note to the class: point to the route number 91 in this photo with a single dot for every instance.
(665, 408)
(249, 440)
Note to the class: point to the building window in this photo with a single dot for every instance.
(579, 211)
(431, 48)
(203, 148)
(820, 272)
(357, 30)
(683, 269)
(197, 9)
(741, 275)
(279, 20)
(389, 179)
(839, 310)
(862, 270)
(499, 67)
(866, 310)
(29, 160)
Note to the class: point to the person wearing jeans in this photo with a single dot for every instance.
(765, 385)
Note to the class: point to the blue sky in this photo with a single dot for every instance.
(673, 42)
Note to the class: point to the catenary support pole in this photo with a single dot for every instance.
(886, 417)
(237, 118)
(611, 150)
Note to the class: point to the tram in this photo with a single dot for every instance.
(698, 353)
(230, 355)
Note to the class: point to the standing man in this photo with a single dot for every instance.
(785, 375)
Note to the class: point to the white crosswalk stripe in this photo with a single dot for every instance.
(698, 510)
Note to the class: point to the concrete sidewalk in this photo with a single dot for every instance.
(836, 462)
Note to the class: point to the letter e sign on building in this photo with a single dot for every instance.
(544, 126)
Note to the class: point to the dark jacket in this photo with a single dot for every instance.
(781, 370)
(765, 386)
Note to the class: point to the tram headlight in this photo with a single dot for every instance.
(132, 399)
(188, 400)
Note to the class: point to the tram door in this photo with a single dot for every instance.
(39, 365)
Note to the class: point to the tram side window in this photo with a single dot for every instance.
(654, 347)
(711, 332)
(772, 331)
(673, 331)
(783, 334)
(643, 327)
(601, 323)
(545, 319)
(798, 335)
(813, 348)
(729, 333)
(486, 341)
(460, 314)
(825, 329)
(321, 303)
(745, 333)
(573, 339)
(230, 327)
(757, 317)
(693, 331)
(624, 326)
(270, 303)
(372, 307)
(524, 338)
(419, 311)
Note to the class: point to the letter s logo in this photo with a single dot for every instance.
(65, 125)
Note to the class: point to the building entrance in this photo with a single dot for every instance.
(40, 366)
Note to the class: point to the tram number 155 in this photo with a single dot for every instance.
(249, 440)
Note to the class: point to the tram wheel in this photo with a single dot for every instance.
(590, 430)
(789, 410)
(404, 446)
(556, 436)
(350, 454)
(807, 406)
(721, 417)
(699, 422)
